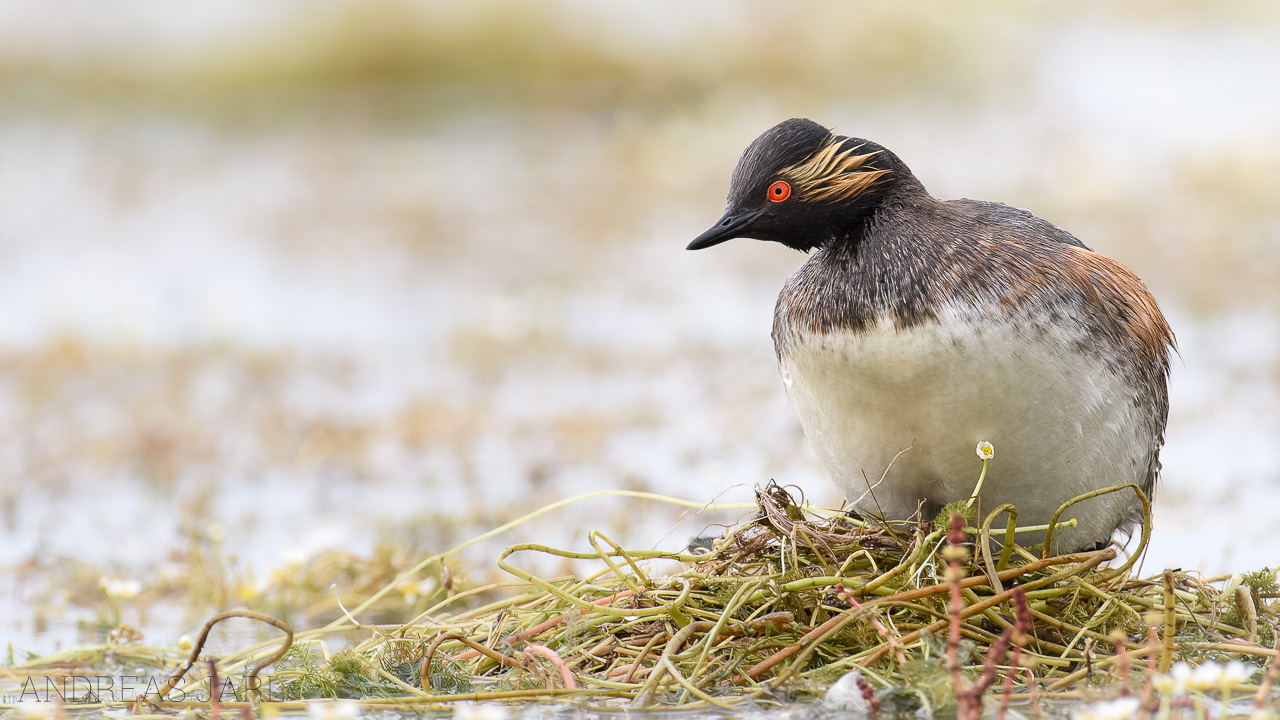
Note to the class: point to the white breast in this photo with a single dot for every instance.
(1061, 422)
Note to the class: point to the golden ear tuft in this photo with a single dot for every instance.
(834, 173)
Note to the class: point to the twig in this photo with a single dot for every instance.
(1170, 622)
(475, 647)
(982, 580)
(566, 675)
(540, 628)
(875, 622)
(1095, 558)
(782, 619)
(215, 690)
(1070, 678)
(252, 682)
(1146, 523)
(639, 661)
(427, 562)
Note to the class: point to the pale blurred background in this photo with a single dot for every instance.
(279, 279)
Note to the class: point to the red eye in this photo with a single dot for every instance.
(779, 191)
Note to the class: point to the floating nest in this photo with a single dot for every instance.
(937, 615)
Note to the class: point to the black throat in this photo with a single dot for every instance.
(865, 219)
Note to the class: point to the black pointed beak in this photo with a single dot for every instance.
(728, 227)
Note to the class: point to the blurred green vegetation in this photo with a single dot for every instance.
(396, 56)
(431, 57)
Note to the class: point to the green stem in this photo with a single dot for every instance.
(977, 488)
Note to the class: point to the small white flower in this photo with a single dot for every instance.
(1118, 709)
(1206, 677)
(414, 590)
(120, 588)
(986, 450)
(32, 710)
(185, 642)
(171, 572)
(1235, 673)
(1168, 685)
(480, 711)
(333, 710)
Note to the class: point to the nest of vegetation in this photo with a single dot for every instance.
(781, 607)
